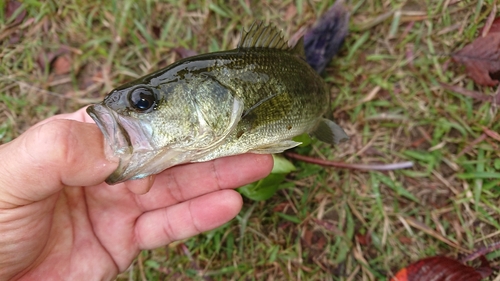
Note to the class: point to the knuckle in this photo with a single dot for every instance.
(219, 185)
(51, 144)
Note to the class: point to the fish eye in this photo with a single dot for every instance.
(142, 99)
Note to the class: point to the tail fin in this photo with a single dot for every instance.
(329, 132)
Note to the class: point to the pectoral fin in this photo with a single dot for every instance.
(329, 132)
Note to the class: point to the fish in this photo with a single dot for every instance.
(252, 99)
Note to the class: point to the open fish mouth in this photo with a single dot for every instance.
(115, 136)
(124, 139)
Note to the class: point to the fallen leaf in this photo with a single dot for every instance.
(62, 64)
(47, 58)
(364, 239)
(405, 240)
(319, 240)
(156, 31)
(329, 226)
(313, 240)
(307, 238)
(481, 58)
(280, 207)
(15, 37)
(439, 269)
(495, 26)
(11, 8)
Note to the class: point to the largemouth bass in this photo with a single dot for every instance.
(255, 98)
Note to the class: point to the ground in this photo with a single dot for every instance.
(324, 223)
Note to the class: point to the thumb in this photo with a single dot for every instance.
(49, 157)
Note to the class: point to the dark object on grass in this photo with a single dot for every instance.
(324, 39)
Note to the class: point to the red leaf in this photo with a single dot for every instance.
(481, 58)
(495, 26)
(437, 269)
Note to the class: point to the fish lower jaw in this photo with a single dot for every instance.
(145, 163)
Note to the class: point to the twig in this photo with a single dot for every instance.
(473, 94)
(429, 231)
(141, 267)
(188, 254)
(466, 149)
(491, 134)
(482, 252)
(490, 19)
(362, 167)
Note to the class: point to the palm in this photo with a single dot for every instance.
(94, 232)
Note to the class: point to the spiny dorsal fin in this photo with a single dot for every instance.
(268, 36)
(299, 48)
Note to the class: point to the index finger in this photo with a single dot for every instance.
(181, 183)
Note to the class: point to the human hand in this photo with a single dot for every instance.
(59, 220)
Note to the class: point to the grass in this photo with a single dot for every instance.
(324, 224)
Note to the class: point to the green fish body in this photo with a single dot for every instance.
(254, 98)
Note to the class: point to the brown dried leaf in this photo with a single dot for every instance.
(156, 31)
(15, 37)
(364, 239)
(438, 269)
(313, 240)
(280, 207)
(319, 240)
(307, 239)
(62, 65)
(11, 8)
(481, 58)
(405, 240)
(47, 58)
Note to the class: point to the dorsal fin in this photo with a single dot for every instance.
(299, 48)
(268, 36)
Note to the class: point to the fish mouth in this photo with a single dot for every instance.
(124, 138)
(116, 137)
